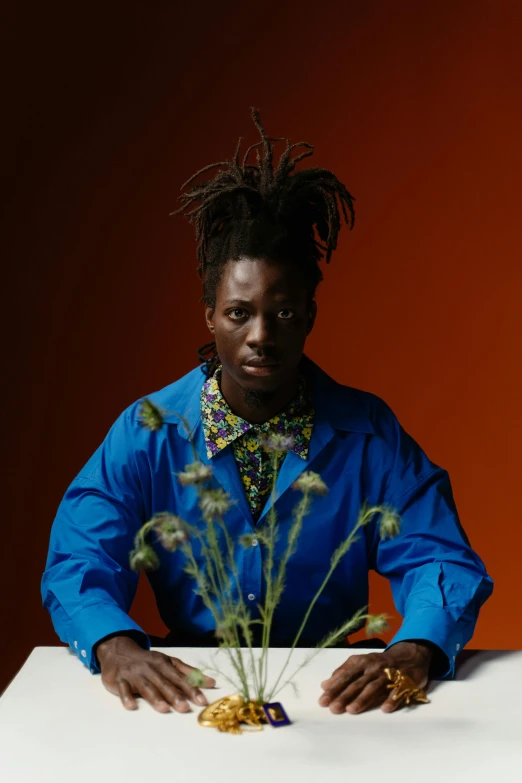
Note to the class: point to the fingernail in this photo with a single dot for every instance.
(200, 699)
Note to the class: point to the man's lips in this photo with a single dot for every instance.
(262, 363)
(261, 367)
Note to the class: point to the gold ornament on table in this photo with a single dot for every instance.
(217, 580)
(227, 714)
(405, 689)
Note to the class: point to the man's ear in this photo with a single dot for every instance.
(312, 312)
(209, 318)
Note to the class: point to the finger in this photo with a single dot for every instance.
(125, 693)
(185, 669)
(338, 685)
(341, 674)
(373, 694)
(151, 693)
(172, 674)
(353, 663)
(172, 691)
(339, 703)
(391, 704)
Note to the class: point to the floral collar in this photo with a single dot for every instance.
(222, 427)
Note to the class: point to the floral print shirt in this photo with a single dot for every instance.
(222, 428)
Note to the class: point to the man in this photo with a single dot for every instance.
(261, 232)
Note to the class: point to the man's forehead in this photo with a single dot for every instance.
(251, 276)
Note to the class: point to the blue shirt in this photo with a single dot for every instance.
(361, 452)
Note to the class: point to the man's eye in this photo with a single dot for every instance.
(286, 314)
(236, 313)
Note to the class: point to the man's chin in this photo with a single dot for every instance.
(258, 398)
(260, 390)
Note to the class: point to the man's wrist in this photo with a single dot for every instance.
(435, 656)
(116, 642)
(416, 646)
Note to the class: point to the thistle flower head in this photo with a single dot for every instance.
(170, 539)
(171, 530)
(196, 473)
(214, 502)
(310, 482)
(150, 415)
(275, 441)
(389, 525)
(163, 519)
(144, 558)
(377, 623)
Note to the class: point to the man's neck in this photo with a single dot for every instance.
(256, 408)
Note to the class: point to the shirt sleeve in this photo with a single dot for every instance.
(88, 586)
(438, 582)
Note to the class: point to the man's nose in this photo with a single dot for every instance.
(261, 333)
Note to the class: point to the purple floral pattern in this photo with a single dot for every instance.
(222, 427)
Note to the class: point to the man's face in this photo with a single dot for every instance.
(260, 323)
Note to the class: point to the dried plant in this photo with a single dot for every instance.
(216, 576)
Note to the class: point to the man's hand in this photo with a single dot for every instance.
(360, 683)
(128, 670)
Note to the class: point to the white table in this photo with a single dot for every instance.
(58, 723)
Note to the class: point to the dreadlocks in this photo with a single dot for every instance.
(256, 210)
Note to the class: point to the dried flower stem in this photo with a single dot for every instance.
(268, 566)
(364, 517)
(276, 588)
(225, 598)
(329, 641)
(244, 619)
(217, 574)
(219, 608)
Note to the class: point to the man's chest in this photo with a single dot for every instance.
(352, 472)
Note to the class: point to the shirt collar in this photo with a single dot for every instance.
(341, 407)
(222, 427)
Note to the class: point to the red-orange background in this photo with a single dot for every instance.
(415, 106)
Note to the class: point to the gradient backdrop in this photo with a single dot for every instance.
(416, 106)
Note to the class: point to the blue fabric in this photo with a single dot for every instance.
(362, 453)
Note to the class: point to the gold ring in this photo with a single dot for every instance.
(404, 688)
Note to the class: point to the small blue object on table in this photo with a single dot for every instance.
(276, 715)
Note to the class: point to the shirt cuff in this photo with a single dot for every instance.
(92, 624)
(436, 626)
